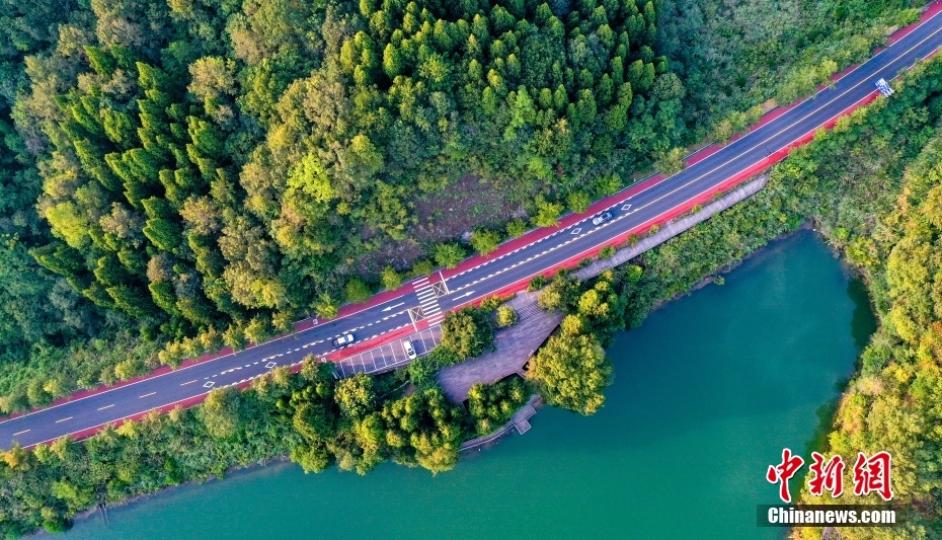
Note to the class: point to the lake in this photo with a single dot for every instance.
(706, 394)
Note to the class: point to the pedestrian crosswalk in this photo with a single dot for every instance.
(428, 301)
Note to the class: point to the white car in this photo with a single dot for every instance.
(884, 87)
(602, 218)
(345, 339)
(409, 349)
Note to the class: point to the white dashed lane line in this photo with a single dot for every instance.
(553, 248)
(147, 395)
(105, 408)
(66, 419)
(270, 363)
(21, 432)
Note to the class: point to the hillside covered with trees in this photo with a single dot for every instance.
(186, 174)
(178, 175)
(178, 196)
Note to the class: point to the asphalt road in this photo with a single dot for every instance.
(431, 297)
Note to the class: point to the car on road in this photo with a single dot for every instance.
(602, 218)
(409, 349)
(884, 87)
(345, 339)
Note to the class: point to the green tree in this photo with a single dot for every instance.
(390, 278)
(356, 290)
(547, 214)
(485, 241)
(326, 307)
(423, 429)
(221, 413)
(355, 395)
(449, 255)
(467, 333)
(506, 316)
(571, 369)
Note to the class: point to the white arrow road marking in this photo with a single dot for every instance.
(393, 306)
(469, 293)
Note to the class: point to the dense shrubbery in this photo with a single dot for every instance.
(53, 372)
(421, 371)
(734, 55)
(354, 423)
(894, 400)
(491, 405)
(468, 333)
(571, 369)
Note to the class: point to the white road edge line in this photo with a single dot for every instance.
(734, 158)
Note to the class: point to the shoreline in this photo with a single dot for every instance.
(492, 440)
(90, 514)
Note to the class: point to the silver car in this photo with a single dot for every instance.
(602, 218)
(345, 339)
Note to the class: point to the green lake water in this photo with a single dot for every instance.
(707, 392)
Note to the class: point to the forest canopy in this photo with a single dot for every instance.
(206, 171)
(206, 163)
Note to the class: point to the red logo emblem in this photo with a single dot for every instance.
(783, 472)
(827, 476)
(873, 475)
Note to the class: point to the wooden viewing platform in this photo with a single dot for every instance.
(513, 347)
